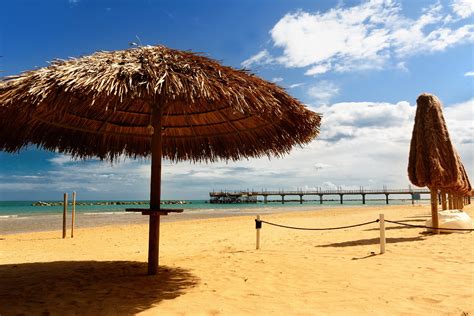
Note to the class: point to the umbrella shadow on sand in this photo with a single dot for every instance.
(372, 241)
(88, 287)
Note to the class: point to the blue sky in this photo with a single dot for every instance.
(361, 64)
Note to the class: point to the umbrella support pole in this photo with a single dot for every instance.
(434, 210)
(155, 210)
(155, 190)
(153, 244)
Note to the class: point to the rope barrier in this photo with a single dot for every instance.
(258, 225)
(381, 220)
(439, 228)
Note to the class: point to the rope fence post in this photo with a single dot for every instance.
(73, 213)
(64, 215)
(258, 226)
(382, 233)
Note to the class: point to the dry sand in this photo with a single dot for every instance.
(211, 267)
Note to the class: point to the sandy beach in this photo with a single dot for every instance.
(211, 267)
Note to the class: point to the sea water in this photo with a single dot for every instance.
(11, 209)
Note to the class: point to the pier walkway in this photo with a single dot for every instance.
(252, 196)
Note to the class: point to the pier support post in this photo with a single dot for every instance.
(439, 198)
(386, 198)
(450, 201)
(363, 198)
(301, 198)
(412, 199)
(320, 199)
(265, 199)
(341, 196)
(282, 199)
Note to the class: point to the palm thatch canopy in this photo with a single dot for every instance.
(101, 105)
(433, 161)
(151, 101)
(464, 188)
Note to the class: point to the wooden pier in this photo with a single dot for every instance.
(225, 197)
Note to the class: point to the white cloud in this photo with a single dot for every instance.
(469, 74)
(277, 79)
(320, 166)
(350, 120)
(372, 35)
(323, 91)
(402, 66)
(61, 160)
(318, 69)
(262, 57)
(296, 85)
(463, 8)
(459, 118)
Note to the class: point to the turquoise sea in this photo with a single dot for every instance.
(15, 209)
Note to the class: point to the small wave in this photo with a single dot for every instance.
(8, 216)
(232, 210)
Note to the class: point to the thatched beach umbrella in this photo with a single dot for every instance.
(151, 101)
(463, 188)
(433, 161)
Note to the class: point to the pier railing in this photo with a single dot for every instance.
(326, 192)
(250, 196)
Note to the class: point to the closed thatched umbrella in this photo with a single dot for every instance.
(464, 188)
(151, 101)
(433, 161)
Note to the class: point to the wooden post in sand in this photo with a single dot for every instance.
(64, 215)
(443, 201)
(450, 201)
(434, 209)
(382, 233)
(73, 213)
(258, 227)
